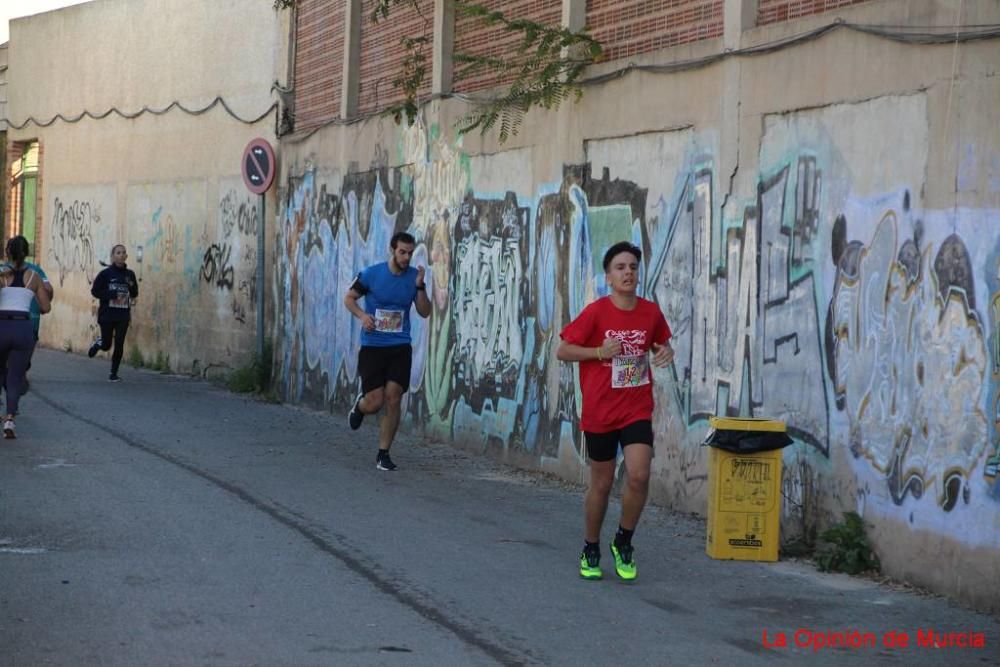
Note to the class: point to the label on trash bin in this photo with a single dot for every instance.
(745, 543)
(744, 503)
(746, 485)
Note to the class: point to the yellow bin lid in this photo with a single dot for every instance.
(747, 424)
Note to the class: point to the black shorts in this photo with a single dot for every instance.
(379, 365)
(604, 446)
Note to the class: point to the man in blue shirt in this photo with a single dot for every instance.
(389, 289)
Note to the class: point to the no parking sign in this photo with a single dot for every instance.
(258, 166)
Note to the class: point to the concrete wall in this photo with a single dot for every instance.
(821, 227)
(169, 181)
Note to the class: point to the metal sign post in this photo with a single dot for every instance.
(258, 173)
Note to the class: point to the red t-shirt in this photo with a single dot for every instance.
(618, 391)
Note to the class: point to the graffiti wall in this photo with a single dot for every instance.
(82, 224)
(193, 247)
(81, 227)
(198, 273)
(822, 293)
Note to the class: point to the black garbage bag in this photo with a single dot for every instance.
(746, 435)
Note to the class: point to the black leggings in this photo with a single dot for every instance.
(16, 345)
(114, 332)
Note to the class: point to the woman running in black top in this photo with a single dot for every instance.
(115, 286)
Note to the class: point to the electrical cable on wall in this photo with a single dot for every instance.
(903, 34)
(156, 112)
(906, 35)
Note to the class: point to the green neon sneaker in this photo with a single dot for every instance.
(590, 564)
(624, 561)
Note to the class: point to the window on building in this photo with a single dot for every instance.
(24, 194)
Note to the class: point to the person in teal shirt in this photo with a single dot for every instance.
(36, 314)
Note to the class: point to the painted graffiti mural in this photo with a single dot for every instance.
(907, 353)
(72, 231)
(199, 267)
(82, 225)
(864, 322)
(328, 234)
(744, 306)
(231, 263)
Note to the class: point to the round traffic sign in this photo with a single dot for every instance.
(258, 166)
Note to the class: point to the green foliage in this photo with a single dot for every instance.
(546, 66)
(255, 377)
(243, 380)
(800, 547)
(844, 547)
(135, 358)
(161, 363)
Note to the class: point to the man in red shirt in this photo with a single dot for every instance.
(612, 339)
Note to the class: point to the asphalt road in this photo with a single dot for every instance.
(165, 521)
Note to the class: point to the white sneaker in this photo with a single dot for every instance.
(8, 429)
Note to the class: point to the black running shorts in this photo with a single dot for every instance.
(604, 446)
(379, 365)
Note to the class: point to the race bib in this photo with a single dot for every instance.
(388, 321)
(120, 298)
(629, 371)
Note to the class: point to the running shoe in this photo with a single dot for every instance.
(590, 565)
(355, 416)
(383, 462)
(114, 378)
(8, 429)
(624, 561)
(92, 352)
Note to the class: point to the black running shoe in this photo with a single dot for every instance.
(92, 352)
(355, 416)
(383, 462)
(114, 378)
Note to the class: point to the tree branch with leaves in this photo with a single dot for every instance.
(544, 67)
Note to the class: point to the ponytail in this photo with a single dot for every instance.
(17, 249)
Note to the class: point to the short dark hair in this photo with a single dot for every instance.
(401, 237)
(620, 247)
(17, 248)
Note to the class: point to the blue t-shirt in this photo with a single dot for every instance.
(388, 298)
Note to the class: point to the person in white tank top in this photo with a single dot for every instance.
(18, 287)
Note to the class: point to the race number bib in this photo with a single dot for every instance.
(629, 371)
(388, 321)
(120, 298)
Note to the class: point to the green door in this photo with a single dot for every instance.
(28, 202)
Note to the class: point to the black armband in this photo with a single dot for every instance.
(358, 287)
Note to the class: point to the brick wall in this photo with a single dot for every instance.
(15, 151)
(630, 27)
(319, 61)
(776, 11)
(625, 28)
(473, 38)
(37, 248)
(382, 54)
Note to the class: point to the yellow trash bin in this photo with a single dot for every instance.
(744, 488)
